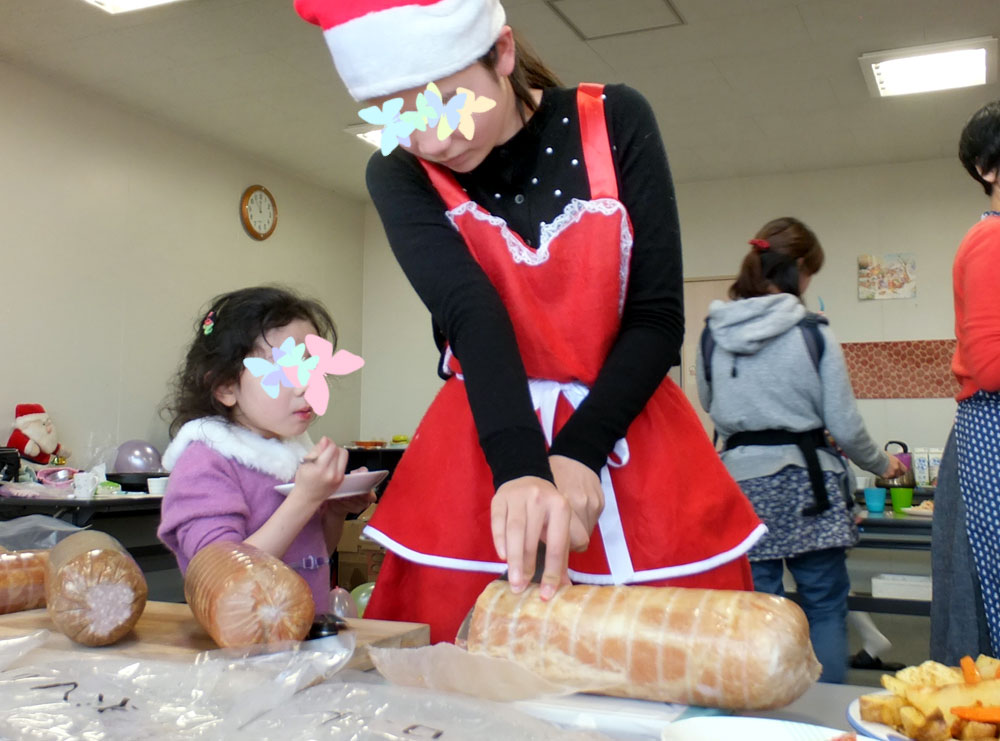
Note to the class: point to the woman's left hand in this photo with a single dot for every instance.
(582, 488)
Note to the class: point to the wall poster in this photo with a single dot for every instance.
(887, 276)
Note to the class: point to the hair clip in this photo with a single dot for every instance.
(208, 325)
(760, 244)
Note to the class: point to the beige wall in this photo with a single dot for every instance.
(401, 373)
(117, 231)
(920, 207)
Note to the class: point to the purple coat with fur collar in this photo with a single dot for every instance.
(221, 488)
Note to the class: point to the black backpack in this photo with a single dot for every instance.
(809, 326)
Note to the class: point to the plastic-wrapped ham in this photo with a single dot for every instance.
(94, 590)
(243, 596)
(715, 648)
(22, 580)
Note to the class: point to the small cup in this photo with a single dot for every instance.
(875, 499)
(157, 485)
(902, 497)
(84, 485)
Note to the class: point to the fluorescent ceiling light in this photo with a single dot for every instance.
(922, 69)
(124, 6)
(367, 133)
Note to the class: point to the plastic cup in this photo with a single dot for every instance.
(157, 485)
(901, 498)
(875, 499)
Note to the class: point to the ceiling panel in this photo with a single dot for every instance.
(744, 87)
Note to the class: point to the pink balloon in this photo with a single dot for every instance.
(342, 603)
(137, 456)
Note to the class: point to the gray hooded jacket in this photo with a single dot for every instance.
(763, 378)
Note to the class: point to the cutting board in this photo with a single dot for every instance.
(168, 630)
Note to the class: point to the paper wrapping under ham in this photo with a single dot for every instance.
(94, 590)
(22, 580)
(727, 649)
(243, 596)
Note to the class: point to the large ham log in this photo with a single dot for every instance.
(243, 596)
(22, 580)
(727, 649)
(94, 590)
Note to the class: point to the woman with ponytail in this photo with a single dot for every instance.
(774, 383)
(544, 241)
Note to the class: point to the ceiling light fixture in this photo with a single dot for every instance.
(367, 133)
(922, 69)
(124, 6)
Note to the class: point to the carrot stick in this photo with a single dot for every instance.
(997, 674)
(980, 713)
(969, 670)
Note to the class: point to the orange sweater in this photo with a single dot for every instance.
(976, 364)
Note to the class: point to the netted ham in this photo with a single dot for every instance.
(22, 580)
(94, 590)
(726, 649)
(243, 596)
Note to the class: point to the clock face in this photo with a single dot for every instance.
(259, 212)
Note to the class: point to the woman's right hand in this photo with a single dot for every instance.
(524, 511)
(896, 468)
(320, 473)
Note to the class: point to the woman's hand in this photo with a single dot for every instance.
(523, 512)
(320, 473)
(896, 468)
(582, 488)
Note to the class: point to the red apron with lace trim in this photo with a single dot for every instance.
(672, 513)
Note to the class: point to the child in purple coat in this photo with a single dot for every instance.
(233, 443)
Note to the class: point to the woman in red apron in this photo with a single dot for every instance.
(547, 250)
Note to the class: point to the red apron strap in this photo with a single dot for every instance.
(449, 189)
(596, 146)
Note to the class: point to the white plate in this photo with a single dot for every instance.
(727, 728)
(918, 512)
(361, 482)
(875, 730)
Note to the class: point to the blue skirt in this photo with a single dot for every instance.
(779, 499)
(977, 440)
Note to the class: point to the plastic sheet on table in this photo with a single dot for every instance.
(281, 695)
(444, 666)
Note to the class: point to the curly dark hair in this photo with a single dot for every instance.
(239, 319)
(979, 145)
(778, 266)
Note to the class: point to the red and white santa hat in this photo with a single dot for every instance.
(24, 413)
(385, 46)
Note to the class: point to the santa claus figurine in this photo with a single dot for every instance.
(34, 435)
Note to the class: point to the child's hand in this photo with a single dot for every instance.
(320, 473)
(582, 488)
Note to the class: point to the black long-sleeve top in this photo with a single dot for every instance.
(526, 181)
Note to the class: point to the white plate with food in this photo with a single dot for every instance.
(727, 728)
(878, 731)
(360, 482)
(919, 511)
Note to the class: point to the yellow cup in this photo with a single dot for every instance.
(901, 498)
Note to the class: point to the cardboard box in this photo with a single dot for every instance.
(901, 586)
(357, 568)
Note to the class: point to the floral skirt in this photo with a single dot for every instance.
(779, 499)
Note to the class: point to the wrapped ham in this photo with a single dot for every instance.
(715, 648)
(94, 590)
(243, 596)
(22, 580)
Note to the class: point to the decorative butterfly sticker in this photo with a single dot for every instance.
(296, 367)
(466, 126)
(274, 375)
(448, 113)
(395, 130)
(338, 363)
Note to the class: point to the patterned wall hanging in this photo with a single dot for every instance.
(918, 369)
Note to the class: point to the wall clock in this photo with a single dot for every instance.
(258, 212)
